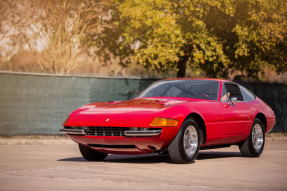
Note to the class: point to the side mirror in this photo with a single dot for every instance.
(234, 100)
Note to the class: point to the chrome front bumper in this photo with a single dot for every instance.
(127, 133)
(146, 133)
(73, 131)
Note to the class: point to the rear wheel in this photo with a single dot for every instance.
(254, 144)
(90, 154)
(185, 146)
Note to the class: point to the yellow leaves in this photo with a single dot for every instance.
(207, 31)
(241, 50)
(154, 24)
(136, 24)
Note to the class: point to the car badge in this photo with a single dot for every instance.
(107, 120)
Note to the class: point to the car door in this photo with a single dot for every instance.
(236, 117)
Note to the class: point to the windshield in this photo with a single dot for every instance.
(199, 89)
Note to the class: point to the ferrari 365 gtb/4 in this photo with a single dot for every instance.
(174, 116)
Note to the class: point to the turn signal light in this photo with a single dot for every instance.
(163, 122)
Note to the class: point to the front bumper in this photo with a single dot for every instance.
(126, 141)
(128, 133)
(145, 133)
(73, 131)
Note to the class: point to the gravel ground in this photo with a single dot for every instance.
(54, 163)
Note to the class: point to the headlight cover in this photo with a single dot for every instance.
(163, 122)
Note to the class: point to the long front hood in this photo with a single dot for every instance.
(131, 113)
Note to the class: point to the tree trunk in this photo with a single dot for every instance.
(181, 66)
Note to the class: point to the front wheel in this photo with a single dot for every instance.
(90, 154)
(185, 146)
(254, 144)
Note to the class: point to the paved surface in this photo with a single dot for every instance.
(58, 165)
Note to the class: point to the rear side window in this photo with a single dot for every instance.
(248, 96)
(233, 91)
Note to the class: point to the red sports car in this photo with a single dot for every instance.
(174, 116)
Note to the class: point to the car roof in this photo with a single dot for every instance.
(213, 79)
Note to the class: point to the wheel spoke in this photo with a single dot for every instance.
(190, 140)
(257, 137)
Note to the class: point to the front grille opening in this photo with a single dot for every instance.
(106, 131)
(113, 146)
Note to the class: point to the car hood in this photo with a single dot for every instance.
(139, 112)
(130, 106)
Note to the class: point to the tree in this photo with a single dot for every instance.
(6, 29)
(213, 36)
(261, 32)
(54, 30)
(216, 36)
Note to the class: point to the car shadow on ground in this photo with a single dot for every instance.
(204, 155)
(156, 158)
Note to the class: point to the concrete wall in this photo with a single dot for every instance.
(38, 104)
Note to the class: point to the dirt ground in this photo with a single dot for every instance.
(55, 163)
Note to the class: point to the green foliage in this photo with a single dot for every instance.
(215, 36)
(261, 37)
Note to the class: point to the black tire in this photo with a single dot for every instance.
(247, 148)
(90, 154)
(176, 149)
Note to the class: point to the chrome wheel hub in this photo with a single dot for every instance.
(257, 137)
(190, 140)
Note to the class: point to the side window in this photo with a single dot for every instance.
(248, 96)
(234, 91)
(224, 95)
